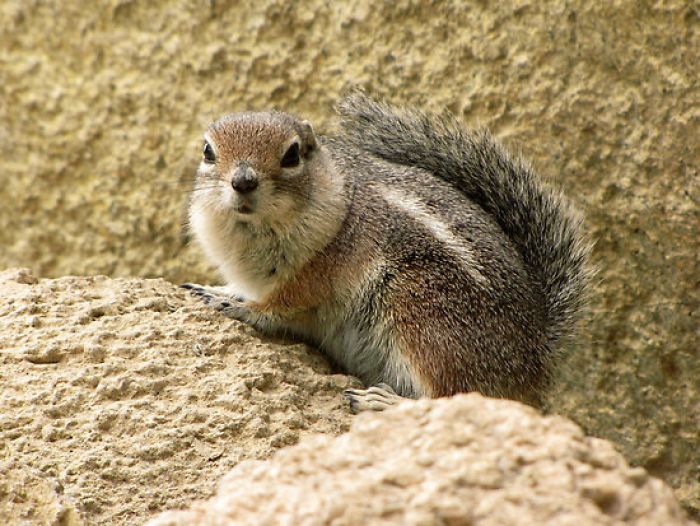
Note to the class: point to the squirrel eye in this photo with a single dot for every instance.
(291, 157)
(208, 153)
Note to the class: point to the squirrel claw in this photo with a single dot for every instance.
(196, 290)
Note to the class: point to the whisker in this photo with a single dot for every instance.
(169, 183)
(203, 189)
(194, 190)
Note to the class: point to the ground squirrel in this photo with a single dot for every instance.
(418, 256)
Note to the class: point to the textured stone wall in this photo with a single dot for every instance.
(102, 110)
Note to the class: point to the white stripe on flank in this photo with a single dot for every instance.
(442, 232)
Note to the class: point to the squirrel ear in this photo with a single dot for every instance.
(308, 137)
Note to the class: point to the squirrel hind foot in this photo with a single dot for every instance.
(377, 398)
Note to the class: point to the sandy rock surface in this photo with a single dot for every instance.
(121, 397)
(462, 461)
(29, 497)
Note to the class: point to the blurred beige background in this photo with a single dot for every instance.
(102, 108)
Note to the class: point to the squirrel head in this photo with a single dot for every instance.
(255, 165)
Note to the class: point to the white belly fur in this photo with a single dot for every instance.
(227, 247)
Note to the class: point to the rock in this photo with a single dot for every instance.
(30, 497)
(131, 397)
(468, 460)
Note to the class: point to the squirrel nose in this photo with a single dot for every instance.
(244, 179)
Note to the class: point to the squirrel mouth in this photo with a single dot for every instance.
(244, 209)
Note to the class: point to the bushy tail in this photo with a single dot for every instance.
(539, 220)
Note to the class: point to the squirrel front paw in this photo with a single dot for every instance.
(233, 306)
(216, 297)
